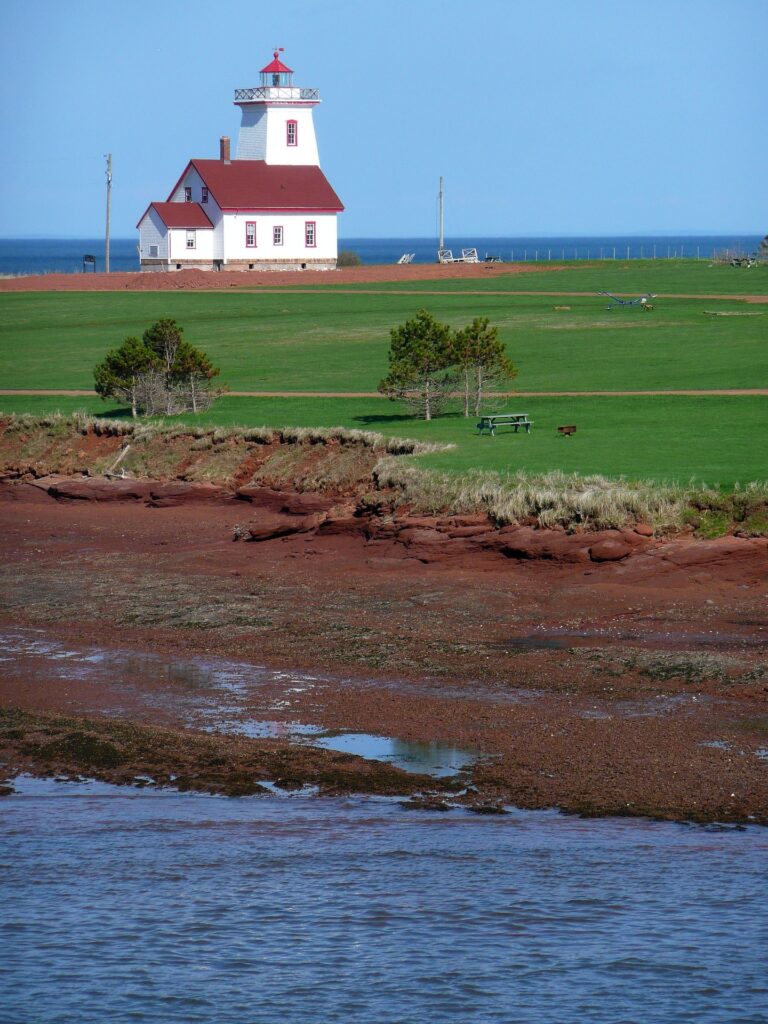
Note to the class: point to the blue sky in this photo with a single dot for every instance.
(563, 117)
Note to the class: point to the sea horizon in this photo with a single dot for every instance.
(20, 256)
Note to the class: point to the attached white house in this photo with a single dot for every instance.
(271, 208)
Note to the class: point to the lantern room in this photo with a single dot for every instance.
(277, 74)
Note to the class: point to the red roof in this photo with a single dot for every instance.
(180, 215)
(256, 185)
(276, 65)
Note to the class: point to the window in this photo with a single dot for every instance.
(250, 234)
(187, 193)
(292, 133)
(153, 251)
(277, 234)
(309, 234)
(191, 238)
(204, 195)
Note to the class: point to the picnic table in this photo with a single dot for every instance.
(514, 420)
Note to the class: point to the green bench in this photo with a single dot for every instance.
(514, 420)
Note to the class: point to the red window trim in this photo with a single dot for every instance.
(313, 243)
(288, 133)
(282, 234)
(250, 224)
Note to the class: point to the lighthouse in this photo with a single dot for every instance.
(269, 208)
(277, 125)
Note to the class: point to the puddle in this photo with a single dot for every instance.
(438, 759)
(119, 666)
(270, 730)
(642, 637)
(532, 642)
(652, 707)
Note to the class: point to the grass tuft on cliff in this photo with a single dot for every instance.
(352, 462)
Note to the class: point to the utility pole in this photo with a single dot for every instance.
(441, 244)
(109, 194)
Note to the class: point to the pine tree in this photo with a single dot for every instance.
(123, 373)
(161, 373)
(420, 365)
(482, 359)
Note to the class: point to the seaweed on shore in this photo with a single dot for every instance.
(128, 753)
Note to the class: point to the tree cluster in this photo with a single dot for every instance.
(158, 374)
(429, 363)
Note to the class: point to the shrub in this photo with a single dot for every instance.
(347, 258)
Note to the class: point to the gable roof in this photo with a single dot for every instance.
(180, 215)
(256, 185)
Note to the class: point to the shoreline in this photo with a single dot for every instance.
(632, 687)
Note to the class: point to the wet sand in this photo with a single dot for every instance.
(634, 687)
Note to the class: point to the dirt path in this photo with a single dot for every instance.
(736, 392)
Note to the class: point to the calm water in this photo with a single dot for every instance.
(120, 905)
(41, 256)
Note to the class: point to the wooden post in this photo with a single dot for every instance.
(109, 193)
(441, 244)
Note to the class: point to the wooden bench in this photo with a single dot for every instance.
(515, 420)
(567, 431)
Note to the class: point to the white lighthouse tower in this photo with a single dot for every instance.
(277, 124)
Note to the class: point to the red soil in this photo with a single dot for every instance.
(201, 279)
(195, 280)
(633, 667)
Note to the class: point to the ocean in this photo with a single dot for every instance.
(128, 905)
(65, 255)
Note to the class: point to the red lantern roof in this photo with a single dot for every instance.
(276, 66)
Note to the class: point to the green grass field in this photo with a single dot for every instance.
(327, 340)
(684, 277)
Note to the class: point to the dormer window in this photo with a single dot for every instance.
(187, 193)
(204, 195)
(292, 133)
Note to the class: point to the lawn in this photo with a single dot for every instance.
(682, 277)
(713, 440)
(329, 341)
